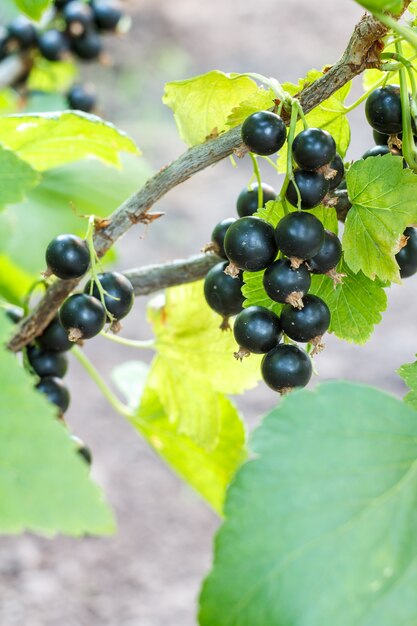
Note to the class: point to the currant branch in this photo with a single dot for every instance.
(362, 52)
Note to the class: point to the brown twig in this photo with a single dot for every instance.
(361, 53)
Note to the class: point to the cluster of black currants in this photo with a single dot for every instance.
(76, 27)
(289, 254)
(384, 114)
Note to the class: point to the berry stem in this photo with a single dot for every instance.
(408, 146)
(101, 384)
(364, 96)
(295, 109)
(132, 343)
(403, 31)
(89, 237)
(257, 174)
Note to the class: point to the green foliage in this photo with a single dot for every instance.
(201, 105)
(260, 100)
(16, 177)
(44, 484)
(383, 203)
(378, 6)
(33, 8)
(14, 282)
(320, 526)
(209, 472)
(194, 364)
(51, 76)
(408, 373)
(53, 139)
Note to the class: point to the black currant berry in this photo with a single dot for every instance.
(337, 165)
(47, 363)
(247, 201)
(250, 244)
(83, 316)
(264, 132)
(83, 450)
(53, 44)
(383, 110)
(286, 367)
(107, 15)
(78, 17)
(82, 98)
(381, 139)
(56, 392)
(14, 313)
(60, 4)
(379, 150)
(4, 43)
(308, 323)
(119, 297)
(285, 284)
(22, 32)
(256, 330)
(55, 338)
(407, 256)
(313, 148)
(218, 235)
(300, 235)
(88, 47)
(329, 255)
(312, 187)
(223, 293)
(68, 256)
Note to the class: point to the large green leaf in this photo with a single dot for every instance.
(321, 527)
(16, 177)
(202, 104)
(51, 76)
(44, 483)
(260, 100)
(14, 282)
(195, 363)
(383, 197)
(52, 139)
(33, 8)
(408, 373)
(208, 471)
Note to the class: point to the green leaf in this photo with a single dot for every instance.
(33, 8)
(408, 373)
(253, 281)
(52, 139)
(195, 363)
(14, 282)
(379, 6)
(51, 76)
(208, 472)
(202, 104)
(321, 525)
(412, 7)
(16, 177)
(330, 115)
(9, 101)
(355, 305)
(260, 100)
(383, 197)
(44, 484)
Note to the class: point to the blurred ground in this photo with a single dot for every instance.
(149, 574)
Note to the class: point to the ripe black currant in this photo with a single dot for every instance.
(47, 363)
(257, 330)
(308, 323)
(82, 98)
(83, 316)
(300, 235)
(218, 235)
(119, 297)
(22, 32)
(56, 392)
(68, 256)
(285, 284)
(286, 367)
(328, 256)
(381, 139)
(312, 187)
(247, 201)
(383, 110)
(83, 450)
(107, 15)
(14, 313)
(53, 44)
(55, 338)
(88, 47)
(313, 148)
(250, 244)
(264, 132)
(78, 17)
(379, 150)
(407, 256)
(222, 292)
(337, 165)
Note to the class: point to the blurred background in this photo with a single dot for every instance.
(149, 573)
